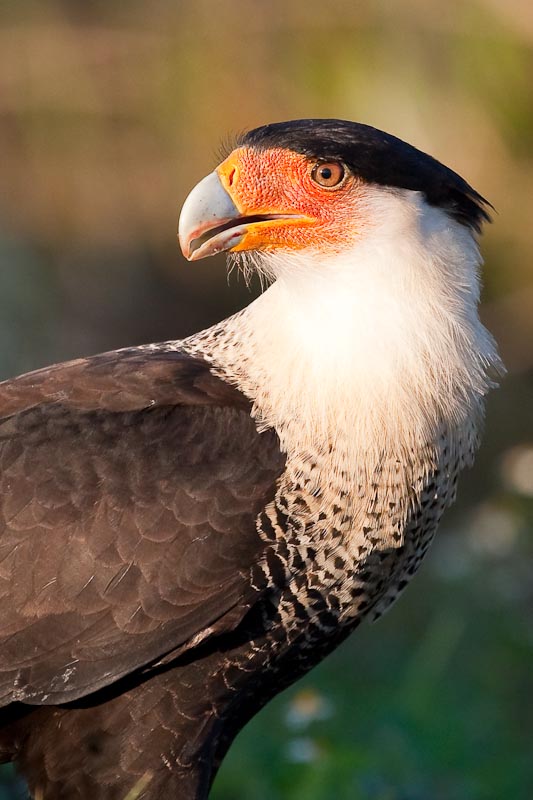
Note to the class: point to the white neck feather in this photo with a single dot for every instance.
(376, 349)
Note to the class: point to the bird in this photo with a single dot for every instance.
(188, 527)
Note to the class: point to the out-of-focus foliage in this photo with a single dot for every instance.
(109, 113)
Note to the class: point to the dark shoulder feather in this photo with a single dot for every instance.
(121, 380)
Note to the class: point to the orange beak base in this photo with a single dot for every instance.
(221, 214)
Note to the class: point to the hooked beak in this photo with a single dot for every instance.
(211, 223)
(208, 221)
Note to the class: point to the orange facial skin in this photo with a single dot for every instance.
(279, 181)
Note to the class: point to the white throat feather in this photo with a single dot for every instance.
(372, 351)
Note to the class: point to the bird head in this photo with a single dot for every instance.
(308, 185)
(371, 248)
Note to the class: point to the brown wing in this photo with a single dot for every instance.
(129, 489)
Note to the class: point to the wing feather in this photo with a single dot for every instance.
(130, 485)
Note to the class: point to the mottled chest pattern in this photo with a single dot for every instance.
(339, 545)
(340, 557)
(327, 565)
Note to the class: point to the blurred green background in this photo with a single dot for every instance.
(109, 112)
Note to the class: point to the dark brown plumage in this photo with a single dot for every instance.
(130, 484)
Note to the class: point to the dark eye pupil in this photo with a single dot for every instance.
(325, 173)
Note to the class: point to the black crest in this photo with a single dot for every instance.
(377, 157)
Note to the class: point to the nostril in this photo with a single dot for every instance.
(231, 176)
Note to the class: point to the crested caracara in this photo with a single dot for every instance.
(188, 527)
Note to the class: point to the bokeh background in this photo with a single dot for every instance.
(109, 112)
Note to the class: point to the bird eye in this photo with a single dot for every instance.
(328, 174)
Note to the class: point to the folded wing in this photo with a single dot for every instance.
(130, 485)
